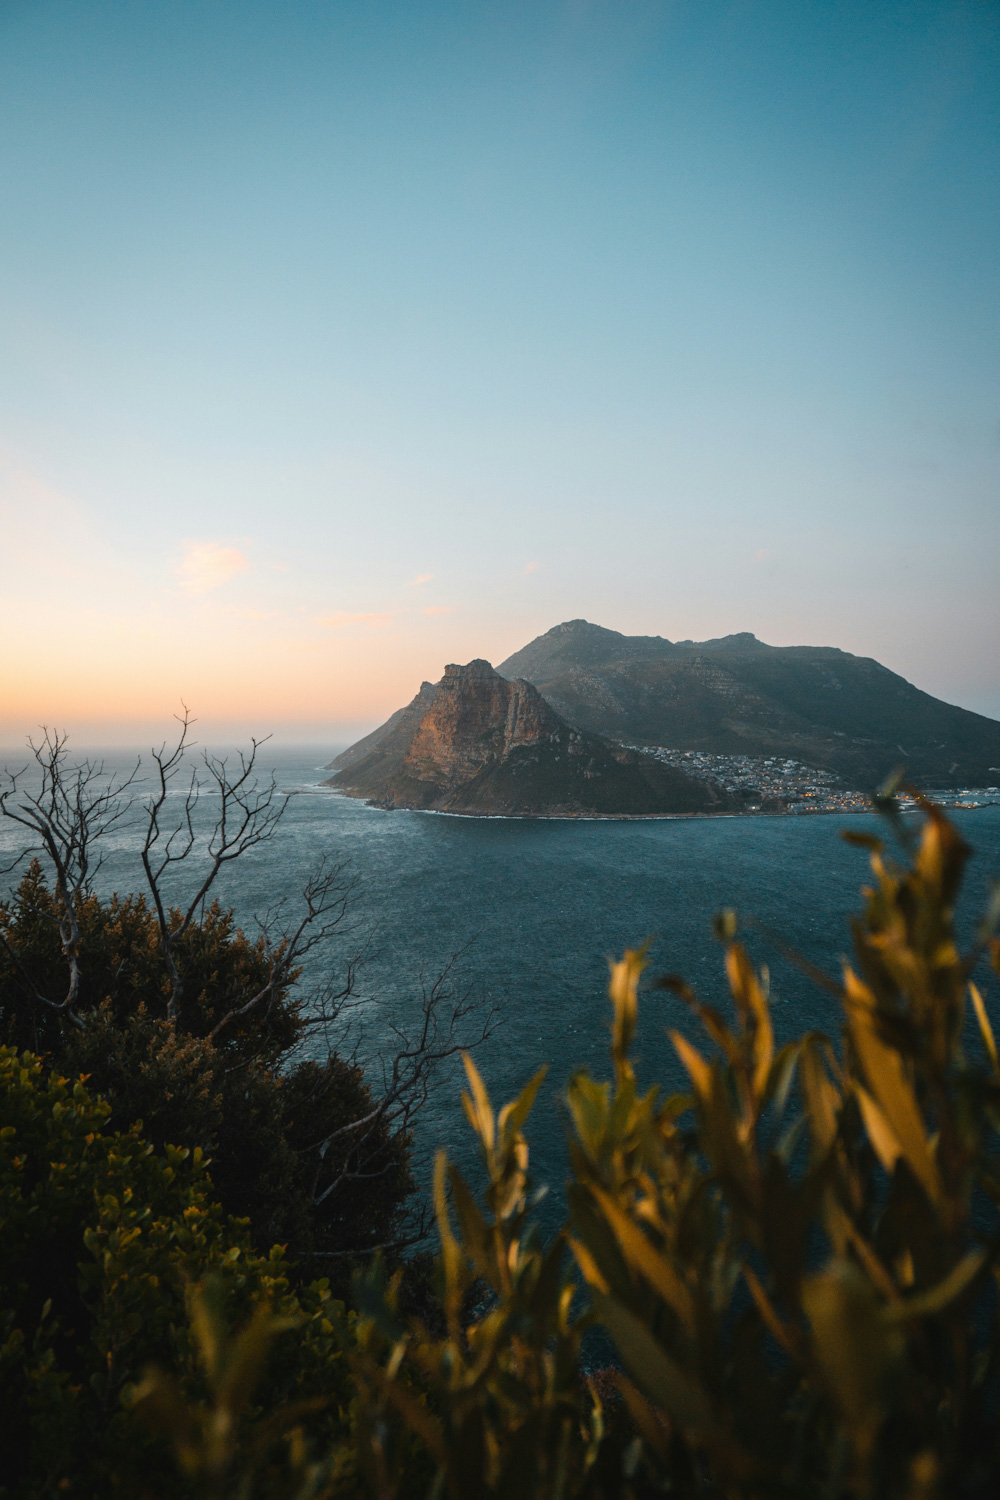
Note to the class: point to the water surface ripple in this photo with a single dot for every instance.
(536, 906)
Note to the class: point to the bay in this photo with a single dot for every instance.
(533, 909)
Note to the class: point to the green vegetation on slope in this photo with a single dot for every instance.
(101, 1236)
(592, 780)
(738, 696)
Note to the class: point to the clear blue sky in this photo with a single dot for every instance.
(343, 340)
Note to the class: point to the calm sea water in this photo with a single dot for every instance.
(533, 908)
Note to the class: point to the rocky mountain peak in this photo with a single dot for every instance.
(476, 719)
(736, 695)
(480, 742)
(473, 671)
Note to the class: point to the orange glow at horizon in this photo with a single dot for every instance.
(141, 675)
(93, 636)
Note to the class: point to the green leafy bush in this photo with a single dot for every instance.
(277, 1129)
(101, 1235)
(121, 966)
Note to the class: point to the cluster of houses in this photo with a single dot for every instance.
(774, 783)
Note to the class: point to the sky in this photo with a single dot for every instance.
(339, 341)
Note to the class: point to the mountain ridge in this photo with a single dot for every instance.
(738, 695)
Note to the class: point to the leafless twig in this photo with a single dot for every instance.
(75, 806)
(448, 1022)
(249, 814)
(326, 900)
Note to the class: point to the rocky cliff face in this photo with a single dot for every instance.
(476, 742)
(476, 719)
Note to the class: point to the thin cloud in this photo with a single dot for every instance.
(206, 565)
(530, 567)
(761, 554)
(341, 617)
(439, 609)
(423, 578)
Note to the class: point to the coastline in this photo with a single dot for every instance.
(589, 817)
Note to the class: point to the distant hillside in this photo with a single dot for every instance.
(477, 743)
(737, 695)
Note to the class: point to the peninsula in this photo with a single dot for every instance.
(585, 721)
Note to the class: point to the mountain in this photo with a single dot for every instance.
(736, 695)
(477, 743)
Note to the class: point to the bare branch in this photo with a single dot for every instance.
(326, 901)
(75, 806)
(249, 814)
(448, 1024)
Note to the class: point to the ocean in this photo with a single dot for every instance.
(528, 911)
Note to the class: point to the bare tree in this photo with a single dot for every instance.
(75, 806)
(324, 913)
(249, 814)
(450, 1020)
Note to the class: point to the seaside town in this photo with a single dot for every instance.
(775, 784)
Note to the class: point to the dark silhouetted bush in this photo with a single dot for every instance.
(101, 1236)
(278, 1131)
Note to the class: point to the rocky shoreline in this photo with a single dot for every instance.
(657, 817)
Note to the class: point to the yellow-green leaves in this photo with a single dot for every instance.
(939, 1297)
(755, 1016)
(858, 1343)
(511, 1416)
(699, 1071)
(134, 1226)
(642, 1257)
(217, 1444)
(985, 1029)
(623, 991)
(658, 1376)
(854, 1347)
(698, 1233)
(821, 1095)
(783, 1256)
(899, 1125)
(505, 1150)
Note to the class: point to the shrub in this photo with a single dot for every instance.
(121, 967)
(278, 1131)
(101, 1236)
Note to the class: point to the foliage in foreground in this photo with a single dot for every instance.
(100, 1236)
(797, 1261)
(280, 1132)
